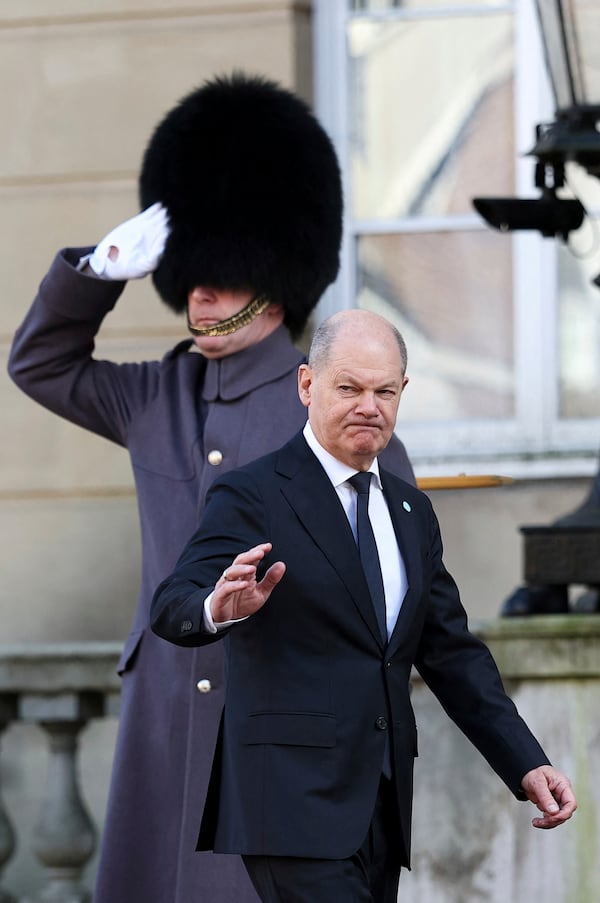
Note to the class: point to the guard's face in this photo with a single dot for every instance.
(353, 398)
(207, 306)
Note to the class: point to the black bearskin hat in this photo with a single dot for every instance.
(252, 187)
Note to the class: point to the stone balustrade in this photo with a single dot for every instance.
(472, 840)
(59, 688)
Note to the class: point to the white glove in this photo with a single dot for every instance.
(133, 249)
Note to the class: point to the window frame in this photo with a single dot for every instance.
(536, 442)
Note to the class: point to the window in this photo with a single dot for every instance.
(431, 104)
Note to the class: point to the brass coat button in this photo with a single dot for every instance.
(215, 457)
(204, 685)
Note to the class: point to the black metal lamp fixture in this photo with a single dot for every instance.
(570, 32)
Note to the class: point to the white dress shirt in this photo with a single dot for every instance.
(393, 570)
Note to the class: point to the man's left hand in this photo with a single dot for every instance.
(552, 793)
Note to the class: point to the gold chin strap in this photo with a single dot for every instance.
(250, 312)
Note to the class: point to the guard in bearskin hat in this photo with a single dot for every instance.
(240, 228)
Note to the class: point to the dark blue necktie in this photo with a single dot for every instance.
(369, 557)
(367, 548)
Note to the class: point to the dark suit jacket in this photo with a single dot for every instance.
(311, 690)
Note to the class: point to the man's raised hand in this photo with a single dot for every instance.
(237, 593)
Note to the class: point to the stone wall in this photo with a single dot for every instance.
(82, 85)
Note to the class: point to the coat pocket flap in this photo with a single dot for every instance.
(290, 729)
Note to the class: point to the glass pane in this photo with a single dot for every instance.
(572, 27)
(379, 5)
(564, 72)
(431, 113)
(585, 14)
(578, 335)
(450, 295)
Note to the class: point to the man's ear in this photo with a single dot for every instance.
(305, 378)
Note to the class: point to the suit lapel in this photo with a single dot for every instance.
(407, 535)
(326, 522)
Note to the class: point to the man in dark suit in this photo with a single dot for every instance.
(312, 780)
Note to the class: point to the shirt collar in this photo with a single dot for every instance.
(336, 470)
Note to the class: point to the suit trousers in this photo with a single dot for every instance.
(371, 875)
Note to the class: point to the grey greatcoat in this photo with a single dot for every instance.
(170, 415)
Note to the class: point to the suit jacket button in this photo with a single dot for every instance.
(215, 457)
(204, 685)
(381, 723)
